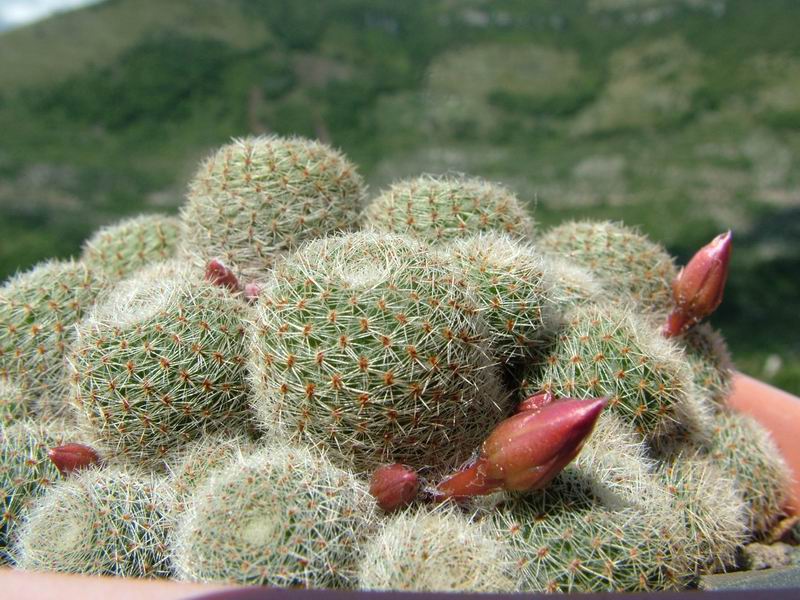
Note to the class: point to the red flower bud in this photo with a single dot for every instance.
(251, 292)
(218, 274)
(698, 288)
(72, 457)
(394, 486)
(536, 402)
(527, 450)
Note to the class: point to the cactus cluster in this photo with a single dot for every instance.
(440, 401)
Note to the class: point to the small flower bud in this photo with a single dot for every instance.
(251, 292)
(72, 457)
(698, 288)
(218, 274)
(394, 486)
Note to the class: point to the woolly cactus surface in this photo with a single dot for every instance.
(283, 516)
(159, 363)
(436, 551)
(259, 197)
(38, 310)
(100, 522)
(381, 360)
(511, 286)
(438, 209)
(630, 267)
(120, 249)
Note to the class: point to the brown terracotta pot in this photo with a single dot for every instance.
(779, 412)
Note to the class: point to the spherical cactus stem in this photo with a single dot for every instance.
(72, 457)
(394, 486)
(536, 402)
(219, 274)
(697, 289)
(527, 450)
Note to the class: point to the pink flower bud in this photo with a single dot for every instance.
(72, 457)
(698, 288)
(394, 486)
(251, 292)
(527, 450)
(536, 402)
(218, 274)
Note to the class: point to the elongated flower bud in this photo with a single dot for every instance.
(527, 450)
(72, 457)
(698, 288)
(219, 274)
(394, 486)
(536, 402)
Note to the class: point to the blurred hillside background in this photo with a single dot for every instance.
(681, 117)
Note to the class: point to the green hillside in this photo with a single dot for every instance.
(681, 116)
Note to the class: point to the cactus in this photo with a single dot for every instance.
(160, 362)
(99, 522)
(630, 267)
(25, 470)
(15, 403)
(511, 286)
(118, 250)
(607, 351)
(573, 285)
(747, 454)
(440, 209)
(381, 358)
(258, 197)
(37, 312)
(283, 516)
(710, 507)
(708, 357)
(565, 542)
(439, 550)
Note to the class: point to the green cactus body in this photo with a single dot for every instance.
(191, 465)
(159, 363)
(607, 351)
(259, 197)
(15, 403)
(572, 285)
(630, 267)
(565, 542)
(379, 359)
(424, 550)
(711, 364)
(118, 250)
(99, 522)
(709, 505)
(25, 470)
(746, 453)
(38, 310)
(283, 516)
(512, 289)
(440, 209)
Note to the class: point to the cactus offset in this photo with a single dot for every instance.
(118, 250)
(381, 358)
(99, 522)
(424, 550)
(160, 362)
(259, 197)
(439, 209)
(25, 470)
(708, 357)
(283, 516)
(630, 267)
(37, 312)
(512, 287)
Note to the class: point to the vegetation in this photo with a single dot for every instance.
(679, 117)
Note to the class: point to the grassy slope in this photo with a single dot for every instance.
(680, 117)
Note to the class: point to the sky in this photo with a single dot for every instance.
(14, 13)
